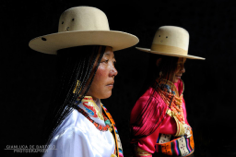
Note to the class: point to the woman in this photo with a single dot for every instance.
(81, 125)
(158, 119)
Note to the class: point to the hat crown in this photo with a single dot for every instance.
(171, 39)
(80, 26)
(83, 18)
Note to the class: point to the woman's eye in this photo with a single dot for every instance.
(180, 65)
(106, 61)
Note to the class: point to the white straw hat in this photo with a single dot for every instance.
(171, 41)
(80, 26)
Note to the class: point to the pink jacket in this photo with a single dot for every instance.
(167, 126)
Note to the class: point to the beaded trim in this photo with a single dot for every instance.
(168, 92)
(141, 152)
(98, 126)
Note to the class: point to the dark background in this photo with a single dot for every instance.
(27, 77)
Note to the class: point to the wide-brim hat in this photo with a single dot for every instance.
(80, 26)
(171, 41)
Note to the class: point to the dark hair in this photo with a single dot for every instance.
(167, 66)
(76, 63)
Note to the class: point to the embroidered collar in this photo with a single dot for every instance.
(168, 86)
(93, 109)
(170, 95)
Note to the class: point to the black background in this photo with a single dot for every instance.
(27, 77)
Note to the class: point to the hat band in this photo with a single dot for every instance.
(168, 49)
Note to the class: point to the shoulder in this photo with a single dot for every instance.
(69, 134)
(72, 131)
(74, 123)
(150, 99)
(151, 95)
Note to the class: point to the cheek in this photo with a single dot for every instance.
(177, 71)
(174, 75)
(101, 74)
(98, 87)
(100, 77)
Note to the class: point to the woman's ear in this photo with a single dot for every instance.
(158, 61)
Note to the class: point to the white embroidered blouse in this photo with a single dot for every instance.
(78, 137)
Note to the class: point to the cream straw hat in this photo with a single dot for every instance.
(80, 26)
(171, 41)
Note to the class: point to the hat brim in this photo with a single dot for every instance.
(50, 43)
(170, 54)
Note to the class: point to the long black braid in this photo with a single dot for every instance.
(77, 63)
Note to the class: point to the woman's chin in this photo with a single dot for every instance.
(176, 80)
(106, 95)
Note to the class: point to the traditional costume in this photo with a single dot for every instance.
(159, 118)
(88, 129)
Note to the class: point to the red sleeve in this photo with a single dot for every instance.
(148, 143)
(157, 104)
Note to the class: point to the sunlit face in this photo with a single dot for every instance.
(103, 82)
(179, 70)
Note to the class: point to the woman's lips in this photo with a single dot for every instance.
(178, 76)
(110, 85)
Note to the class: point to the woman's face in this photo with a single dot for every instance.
(103, 82)
(179, 70)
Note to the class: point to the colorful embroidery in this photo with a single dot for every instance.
(119, 149)
(98, 126)
(173, 99)
(140, 152)
(168, 92)
(106, 116)
(167, 144)
(181, 146)
(91, 107)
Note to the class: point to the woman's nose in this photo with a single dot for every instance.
(113, 72)
(183, 69)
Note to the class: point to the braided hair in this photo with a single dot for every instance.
(76, 69)
(167, 67)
